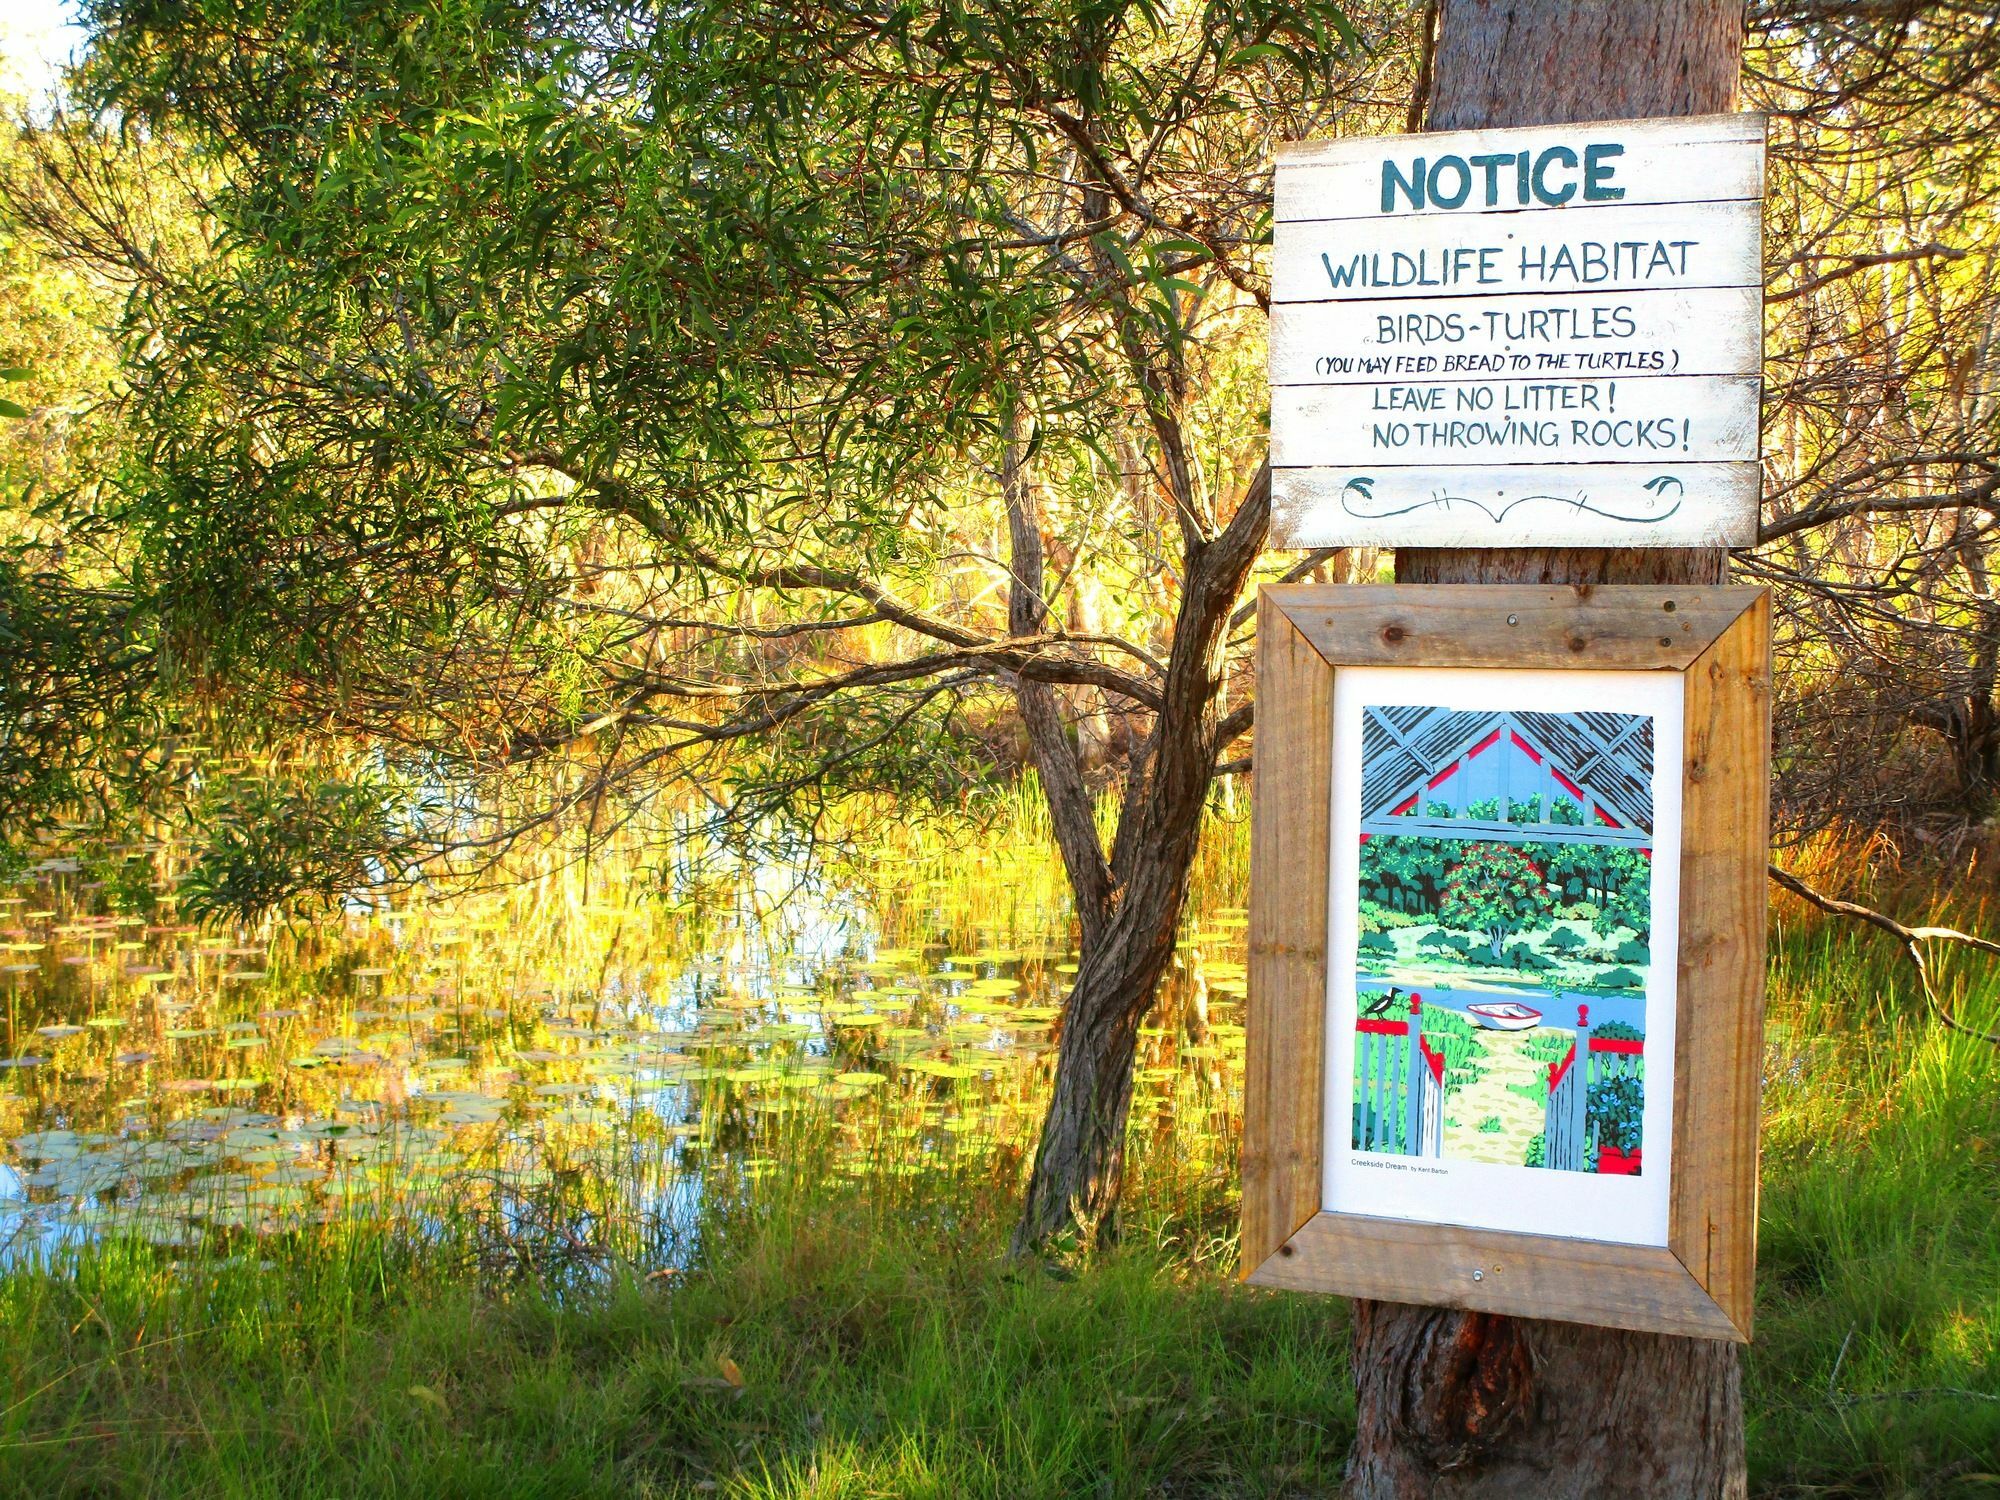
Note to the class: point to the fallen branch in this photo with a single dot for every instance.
(1912, 940)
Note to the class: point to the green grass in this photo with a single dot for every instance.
(886, 1348)
(1459, 1041)
(869, 1364)
(1879, 1248)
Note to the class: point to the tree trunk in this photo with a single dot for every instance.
(1081, 1157)
(1468, 1404)
(1129, 905)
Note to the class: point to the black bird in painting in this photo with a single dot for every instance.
(1381, 1004)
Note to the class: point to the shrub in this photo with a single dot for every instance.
(1564, 940)
(1378, 944)
(1522, 955)
(1547, 1046)
(1376, 917)
(1618, 1031)
(1617, 1107)
(1618, 979)
(1633, 953)
(1458, 1040)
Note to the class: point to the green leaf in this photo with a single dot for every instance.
(12, 408)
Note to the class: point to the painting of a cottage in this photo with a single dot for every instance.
(1504, 936)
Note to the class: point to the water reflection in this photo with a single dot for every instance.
(573, 1058)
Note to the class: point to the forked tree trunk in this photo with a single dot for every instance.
(1467, 1404)
(1129, 902)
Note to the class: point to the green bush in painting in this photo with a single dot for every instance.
(1458, 1040)
(1523, 956)
(1617, 1107)
(1563, 940)
(1614, 881)
(1547, 1045)
(1607, 886)
(1618, 1031)
(1618, 979)
(1497, 891)
(1444, 944)
(1376, 917)
(1377, 945)
(1633, 953)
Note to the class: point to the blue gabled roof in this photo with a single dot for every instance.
(1608, 755)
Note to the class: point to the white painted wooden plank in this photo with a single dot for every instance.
(1648, 246)
(1655, 420)
(1709, 331)
(1558, 505)
(1702, 158)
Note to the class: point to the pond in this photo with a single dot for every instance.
(577, 1056)
(1559, 1008)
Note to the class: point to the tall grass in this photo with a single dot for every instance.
(835, 1317)
(1877, 1364)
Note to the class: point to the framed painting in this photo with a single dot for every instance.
(1507, 949)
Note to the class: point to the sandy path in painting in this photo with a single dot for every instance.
(1520, 1117)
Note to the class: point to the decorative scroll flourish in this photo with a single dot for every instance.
(1645, 514)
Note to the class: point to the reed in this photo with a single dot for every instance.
(700, 1185)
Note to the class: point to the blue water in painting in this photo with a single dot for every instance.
(1558, 1008)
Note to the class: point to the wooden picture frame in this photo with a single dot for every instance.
(1717, 639)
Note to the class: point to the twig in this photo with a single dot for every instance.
(1911, 1395)
(1856, 263)
(1833, 1380)
(1292, 575)
(1912, 940)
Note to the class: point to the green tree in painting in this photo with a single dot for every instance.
(1564, 940)
(1406, 873)
(1495, 890)
(1617, 880)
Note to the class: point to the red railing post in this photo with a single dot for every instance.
(1580, 1095)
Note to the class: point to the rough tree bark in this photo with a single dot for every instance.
(1467, 1404)
(1128, 903)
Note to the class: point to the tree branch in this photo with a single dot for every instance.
(1977, 496)
(1070, 810)
(1912, 940)
(1852, 264)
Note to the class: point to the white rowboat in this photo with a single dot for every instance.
(1505, 1016)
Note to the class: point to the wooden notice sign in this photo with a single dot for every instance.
(1548, 336)
(1507, 949)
